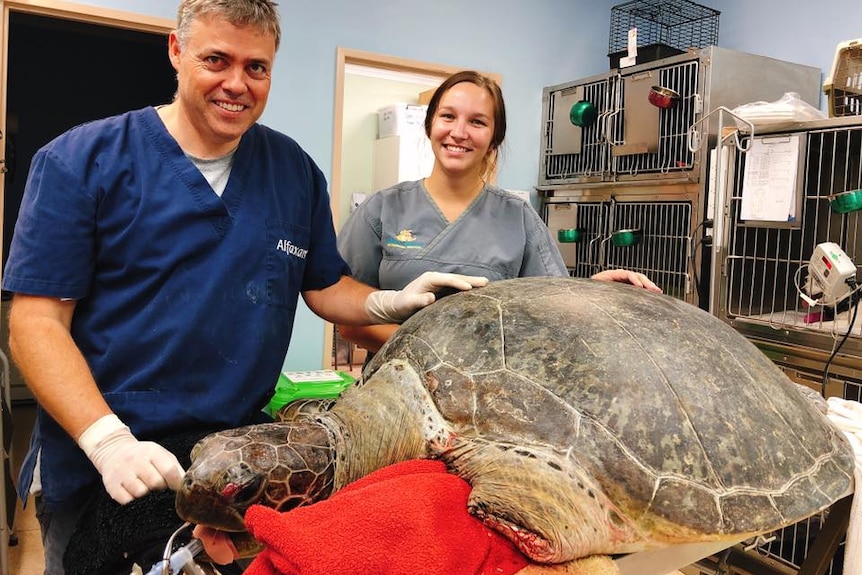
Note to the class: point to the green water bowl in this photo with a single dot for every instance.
(626, 238)
(583, 113)
(569, 236)
(846, 202)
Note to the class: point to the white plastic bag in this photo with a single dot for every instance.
(789, 109)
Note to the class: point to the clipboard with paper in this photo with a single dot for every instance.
(772, 181)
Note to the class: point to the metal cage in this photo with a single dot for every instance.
(632, 140)
(766, 263)
(658, 238)
(762, 269)
(664, 27)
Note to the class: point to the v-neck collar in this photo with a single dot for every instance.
(193, 180)
(464, 212)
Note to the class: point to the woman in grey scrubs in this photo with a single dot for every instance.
(453, 220)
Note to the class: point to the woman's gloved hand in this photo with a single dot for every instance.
(627, 276)
(395, 306)
(129, 468)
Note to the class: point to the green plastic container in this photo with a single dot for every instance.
(846, 202)
(626, 238)
(320, 384)
(568, 235)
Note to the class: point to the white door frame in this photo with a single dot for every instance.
(408, 67)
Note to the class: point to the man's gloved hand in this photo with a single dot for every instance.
(391, 306)
(129, 468)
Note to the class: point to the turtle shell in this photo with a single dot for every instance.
(637, 413)
(589, 418)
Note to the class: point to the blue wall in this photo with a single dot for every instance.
(532, 44)
(794, 30)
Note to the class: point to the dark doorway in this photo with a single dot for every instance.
(62, 73)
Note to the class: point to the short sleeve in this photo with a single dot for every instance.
(359, 241)
(52, 251)
(326, 266)
(541, 255)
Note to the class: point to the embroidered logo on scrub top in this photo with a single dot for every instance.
(287, 247)
(405, 239)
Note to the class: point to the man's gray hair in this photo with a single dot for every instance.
(262, 14)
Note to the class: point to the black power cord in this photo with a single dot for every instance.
(854, 299)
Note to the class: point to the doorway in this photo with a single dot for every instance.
(361, 78)
(381, 70)
(61, 72)
(61, 65)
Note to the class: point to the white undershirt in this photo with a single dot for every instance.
(216, 171)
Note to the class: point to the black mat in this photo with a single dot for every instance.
(110, 538)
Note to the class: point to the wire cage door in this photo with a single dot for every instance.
(664, 152)
(651, 237)
(767, 264)
(579, 152)
(579, 229)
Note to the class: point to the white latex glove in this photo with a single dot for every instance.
(391, 306)
(129, 468)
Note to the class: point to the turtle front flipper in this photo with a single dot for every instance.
(560, 514)
(300, 408)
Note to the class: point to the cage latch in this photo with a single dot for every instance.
(759, 541)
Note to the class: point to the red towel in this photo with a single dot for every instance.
(407, 518)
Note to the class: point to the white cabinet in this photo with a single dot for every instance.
(401, 158)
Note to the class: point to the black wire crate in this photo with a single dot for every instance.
(664, 28)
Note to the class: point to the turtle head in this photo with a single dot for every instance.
(280, 465)
(218, 495)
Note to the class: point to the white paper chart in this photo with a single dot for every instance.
(769, 184)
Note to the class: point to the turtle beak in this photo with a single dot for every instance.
(221, 508)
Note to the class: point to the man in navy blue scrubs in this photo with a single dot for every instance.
(157, 263)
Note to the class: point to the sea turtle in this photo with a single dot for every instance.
(590, 418)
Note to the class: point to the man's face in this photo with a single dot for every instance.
(223, 76)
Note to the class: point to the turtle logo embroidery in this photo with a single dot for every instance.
(405, 239)
(405, 236)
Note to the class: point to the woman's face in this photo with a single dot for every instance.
(462, 129)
